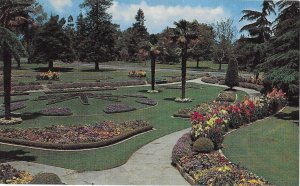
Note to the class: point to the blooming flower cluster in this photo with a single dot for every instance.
(137, 73)
(48, 76)
(10, 175)
(221, 115)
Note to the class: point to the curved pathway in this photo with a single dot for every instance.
(149, 165)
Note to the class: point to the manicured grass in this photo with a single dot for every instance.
(269, 148)
(79, 73)
(104, 158)
(191, 65)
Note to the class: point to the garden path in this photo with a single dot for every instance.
(149, 165)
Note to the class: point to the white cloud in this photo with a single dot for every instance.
(159, 17)
(59, 5)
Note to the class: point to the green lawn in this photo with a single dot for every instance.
(104, 158)
(269, 148)
(80, 73)
(191, 65)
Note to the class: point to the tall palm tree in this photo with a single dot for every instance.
(15, 16)
(154, 51)
(259, 30)
(183, 34)
(11, 46)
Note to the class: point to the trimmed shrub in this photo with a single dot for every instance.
(232, 77)
(203, 145)
(46, 178)
(182, 148)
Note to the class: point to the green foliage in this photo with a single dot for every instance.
(51, 43)
(203, 145)
(97, 32)
(260, 29)
(46, 178)
(232, 77)
(224, 35)
(282, 61)
(9, 40)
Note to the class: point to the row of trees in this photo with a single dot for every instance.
(273, 47)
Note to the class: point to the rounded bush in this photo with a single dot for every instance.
(203, 145)
(46, 178)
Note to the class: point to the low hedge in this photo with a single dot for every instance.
(75, 146)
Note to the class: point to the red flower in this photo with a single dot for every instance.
(219, 120)
(196, 117)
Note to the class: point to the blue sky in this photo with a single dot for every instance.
(162, 13)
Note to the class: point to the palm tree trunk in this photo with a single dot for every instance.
(50, 65)
(183, 72)
(97, 66)
(7, 81)
(18, 63)
(152, 72)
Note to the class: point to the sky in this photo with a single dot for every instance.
(161, 13)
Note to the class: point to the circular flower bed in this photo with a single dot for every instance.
(74, 137)
(117, 108)
(48, 76)
(56, 111)
(10, 175)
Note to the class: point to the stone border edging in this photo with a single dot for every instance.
(78, 146)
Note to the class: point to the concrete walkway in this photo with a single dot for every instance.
(150, 165)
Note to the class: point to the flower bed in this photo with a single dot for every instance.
(56, 111)
(212, 80)
(10, 175)
(188, 112)
(74, 137)
(214, 169)
(147, 101)
(48, 76)
(95, 84)
(118, 108)
(213, 125)
(251, 86)
(137, 74)
(227, 96)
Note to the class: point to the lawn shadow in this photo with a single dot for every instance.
(293, 116)
(15, 155)
(146, 91)
(55, 69)
(170, 99)
(101, 70)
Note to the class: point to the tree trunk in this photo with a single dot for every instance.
(183, 72)
(50, 65)
(19, 63)
(197, 62)
(97, 66)
(152, 72)
(220, 65)
(7, 81)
